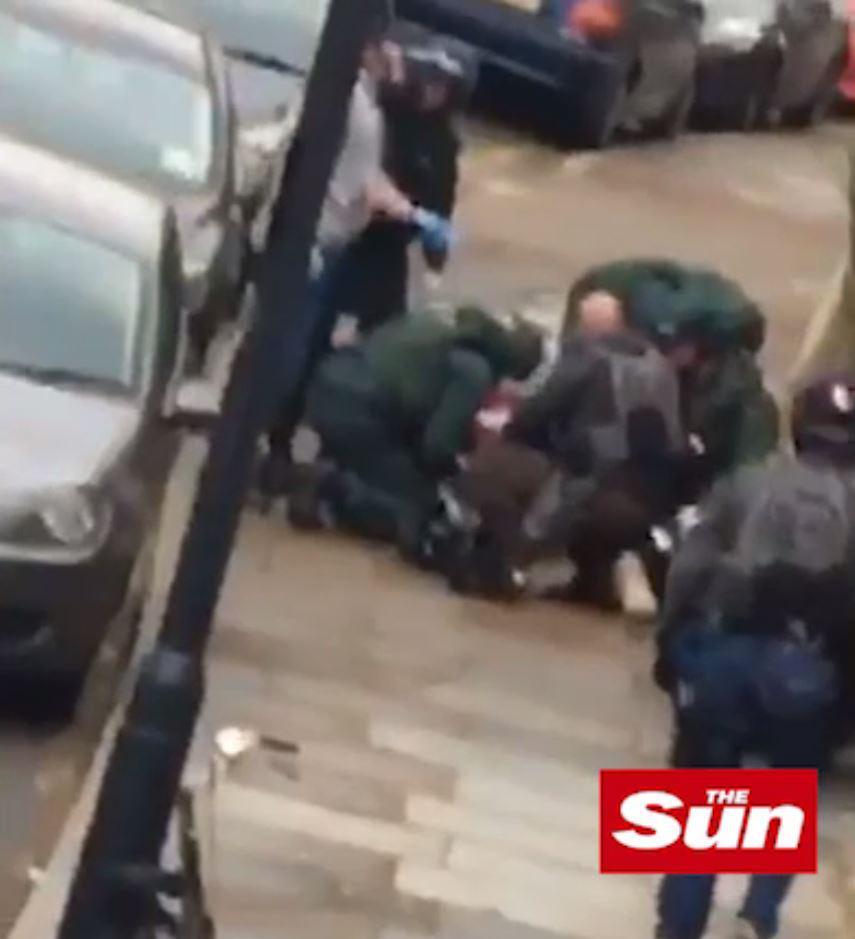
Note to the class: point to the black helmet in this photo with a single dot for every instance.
(442, 61)
(823, 418)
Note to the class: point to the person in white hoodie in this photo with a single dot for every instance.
(359, 190)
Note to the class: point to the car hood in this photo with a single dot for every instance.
(54, 438)
(262, 95)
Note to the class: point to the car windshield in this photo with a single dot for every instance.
(758, 10)
(124, 114)
(288, 30)
(71, 310)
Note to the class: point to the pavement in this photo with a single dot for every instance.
(427, 765)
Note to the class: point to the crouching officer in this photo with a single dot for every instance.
(711, 331)
(422, 153)
(756, 645)
(587, 464)
(393, 415)
(628, 279)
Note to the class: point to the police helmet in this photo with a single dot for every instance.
(823, 418)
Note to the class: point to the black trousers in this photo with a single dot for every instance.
(382, 488)
(374, 279)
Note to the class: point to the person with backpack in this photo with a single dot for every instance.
(729, 307)
(779, 536)
(395, 413)
(756, 645)
(584, 468)
(773, 697)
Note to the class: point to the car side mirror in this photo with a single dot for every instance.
(195, 405)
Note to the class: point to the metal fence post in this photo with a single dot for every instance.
(113, 895)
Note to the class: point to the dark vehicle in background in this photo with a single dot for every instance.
(144, 100)
(771, 61)
(606, 65)
(91, 353)
(269, 46)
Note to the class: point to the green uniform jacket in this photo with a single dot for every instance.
(654, 290)
(430, 377)
(728, 408)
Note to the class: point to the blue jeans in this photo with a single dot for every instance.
(685, 901)
(305, 345)
(715, 732)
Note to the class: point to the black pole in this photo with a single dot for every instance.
(118, 872)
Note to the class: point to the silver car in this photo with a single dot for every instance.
(145, 100)
(90, 362)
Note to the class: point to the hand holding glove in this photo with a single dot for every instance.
(437, 233)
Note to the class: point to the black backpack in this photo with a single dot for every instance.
(799, 521)
(646, 416)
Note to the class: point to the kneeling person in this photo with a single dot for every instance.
(587, 465)
(394, 414)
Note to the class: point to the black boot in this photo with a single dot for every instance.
(310, 502)
(594, 585)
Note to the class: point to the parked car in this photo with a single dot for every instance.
(142, 99)
(269, 46)
(90, 363)
(609, 64)
(846, 86)
(770, 61)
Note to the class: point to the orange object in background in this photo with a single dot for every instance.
(595, 19)
(846, 86)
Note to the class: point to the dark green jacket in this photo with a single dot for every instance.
(658, 292)
(430, 377)
(729, 409)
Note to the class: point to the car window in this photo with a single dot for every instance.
(759, 10)
(68, 304)
(126, 115)
(286, 29)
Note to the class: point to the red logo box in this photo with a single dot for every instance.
(708, 821)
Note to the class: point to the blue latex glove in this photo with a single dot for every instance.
(437, 233)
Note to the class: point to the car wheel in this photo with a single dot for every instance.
(602, 115)
(676, 120)
(816, 110)
(748, 116)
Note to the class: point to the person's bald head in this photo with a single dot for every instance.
(601, 313)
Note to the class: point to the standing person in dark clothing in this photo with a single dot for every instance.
(359, 190)
(779, 535)
(756, 645)
(421, 156)
(771, 697)
(730, 416)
